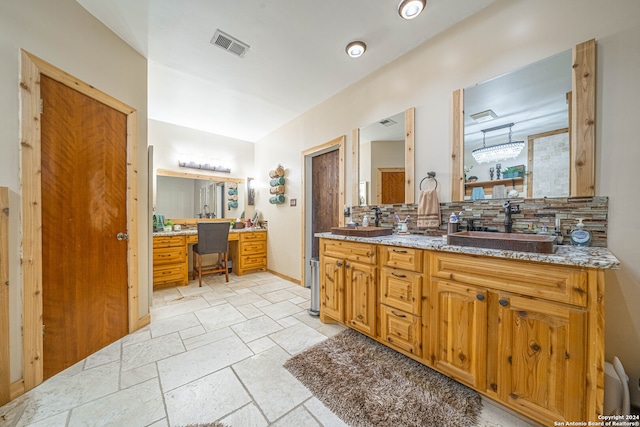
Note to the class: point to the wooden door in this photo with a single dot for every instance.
(325, 212)
(332, 287)
(390, 186)
(459, 343)
(541, 355)
(84, 266)
(360, 282)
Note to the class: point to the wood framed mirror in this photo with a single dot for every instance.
(581, 112)
(373, 192)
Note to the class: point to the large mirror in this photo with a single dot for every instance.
(539, 106)
(184, 195)
(383, 162)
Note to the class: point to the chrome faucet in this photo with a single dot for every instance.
(508, 210)
(378, 214)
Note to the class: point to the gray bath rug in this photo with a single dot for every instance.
(367, 384)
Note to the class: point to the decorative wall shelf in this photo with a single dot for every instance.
(487, 186)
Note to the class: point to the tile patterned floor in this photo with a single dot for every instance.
(210, 354)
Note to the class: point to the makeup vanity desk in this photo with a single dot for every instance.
(247, 250)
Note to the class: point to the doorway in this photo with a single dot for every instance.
(390, 186)
(33, 70)
(324, 197)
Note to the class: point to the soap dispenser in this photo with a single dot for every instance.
(580, 236)
(365, 221)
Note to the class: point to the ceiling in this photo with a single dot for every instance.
(296, 57)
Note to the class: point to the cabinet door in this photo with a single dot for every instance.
(360, 283)
(459, 331)
(541, 358)
(332, 287)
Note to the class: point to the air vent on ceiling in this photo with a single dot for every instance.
(387, 122)
(228, 43)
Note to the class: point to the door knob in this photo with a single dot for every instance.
(122, 236)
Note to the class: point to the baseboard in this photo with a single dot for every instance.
(143, 321)
(287, 278)
(17, 389)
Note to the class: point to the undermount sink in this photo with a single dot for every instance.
(541, 244)
(362, 231)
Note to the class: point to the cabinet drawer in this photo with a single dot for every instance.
(361, 252)
(404, 258)
(253, 248)
(168, 274)
(192, 239)
(167, 241)
(557, 283)
(251, 262)
(401, 289)
(163, 256)
(401, 329)
(251, 236)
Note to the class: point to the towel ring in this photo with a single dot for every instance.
(432, 177)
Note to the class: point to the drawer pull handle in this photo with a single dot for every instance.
(398, 275)
(398, 251)
(398, 315)
(503, 302)
(480, 297)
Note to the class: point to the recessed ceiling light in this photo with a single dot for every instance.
(409, 9)
(356, 49)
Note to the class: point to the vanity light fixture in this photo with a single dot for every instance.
(356, 49)
(493, 153)
(409, 9)
(203, 166)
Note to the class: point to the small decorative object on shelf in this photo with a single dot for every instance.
(472, 178)
(498, 166)
(491, 170)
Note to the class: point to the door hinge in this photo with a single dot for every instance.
(41, 106)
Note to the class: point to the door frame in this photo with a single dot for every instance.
(31, 68)
(334, 144)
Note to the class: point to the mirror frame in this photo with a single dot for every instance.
(409, 159)
(581, 127)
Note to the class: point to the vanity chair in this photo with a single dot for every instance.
(213, 238)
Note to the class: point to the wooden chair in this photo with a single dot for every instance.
(213, 238)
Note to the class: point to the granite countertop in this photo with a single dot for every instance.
(188, 232)
(593, 257)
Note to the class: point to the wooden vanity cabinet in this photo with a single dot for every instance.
(348, 289)
(526, 334)
(401, 298)
(517, 334)
(170, 260)
(252, 250)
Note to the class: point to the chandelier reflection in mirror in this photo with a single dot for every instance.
(493, 153)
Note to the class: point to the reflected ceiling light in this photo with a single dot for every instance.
(356, 49)
(409, 9)
(493, 153)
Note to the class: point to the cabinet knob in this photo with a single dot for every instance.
(339, 264)
(480, 297)
(347, 266)
(503, 302)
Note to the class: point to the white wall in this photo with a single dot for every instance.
(505, 36)
(62, 33)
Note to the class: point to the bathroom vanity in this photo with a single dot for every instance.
(247, 250)
(524, 329)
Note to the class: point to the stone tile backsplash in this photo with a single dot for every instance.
(534, 214)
